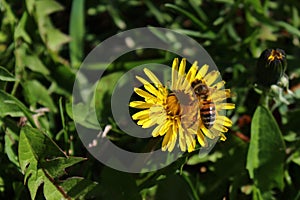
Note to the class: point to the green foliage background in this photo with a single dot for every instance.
(42, 44)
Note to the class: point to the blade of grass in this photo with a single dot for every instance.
(197, 7)
(61, 111)
(157, 14)
(187, 14)
(77, 31)
(115, 14)
(289, 28)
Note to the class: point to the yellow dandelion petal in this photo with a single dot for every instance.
(152, 77)
(219, 134)
(165, 128)
(174, 73)
(175, 126)
(144, 94)
(159, 130)
(166, 140)
(140, 104)
(182, 67)
(180, 80)
(148, 123)
(185, 86)
(162, 93)
(189, 141)
(156, 131)
(141, 122)
(141, 115)
(179, 83)
(219, 85)
(222, 137)
(149, 87)
(220, 95)
(207, 132)
(220, 127)
(189, 138)
(224, 120)
(201, 139)
(156, 109)
(225, 106)
(142, 80)
(192, 72)
(192, 146)
(180, 75)
(159, 118)
(172, 141)
(211, 77)
(182, 143)
(201, 73)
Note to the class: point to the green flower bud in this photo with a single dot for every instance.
(271, 66)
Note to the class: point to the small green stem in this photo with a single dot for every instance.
(15, 87)
(264, 98)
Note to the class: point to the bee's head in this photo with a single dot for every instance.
(200, 88)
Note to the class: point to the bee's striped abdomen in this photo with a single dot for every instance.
(208, 113)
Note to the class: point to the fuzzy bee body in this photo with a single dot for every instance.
(207, 106)
(185, 109)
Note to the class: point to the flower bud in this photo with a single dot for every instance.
(271, 66)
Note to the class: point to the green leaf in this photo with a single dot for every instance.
(52, 37)
(36, 153)
(84, 115)
(35, 64)
(55, 39)
(77, 33)
(32, 61)
(35, 92)
(10, 105)
(266, 154)
(20, 31)
(79, 188)
(48, 7)
(11, 141)
(5, 75)
(55, 167)
(295, 157)
(9, 14)
(30, 5)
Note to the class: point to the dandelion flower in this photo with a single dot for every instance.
(176, 111)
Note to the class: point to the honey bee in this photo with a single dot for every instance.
(207, 106)
(182, 105)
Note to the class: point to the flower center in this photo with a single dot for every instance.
(176, 103)
(172, 105)
(275, 55)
